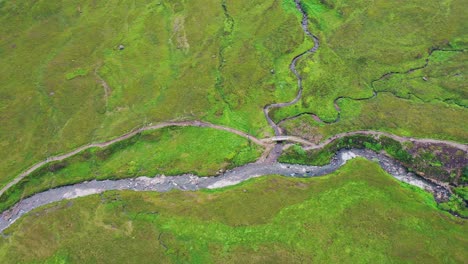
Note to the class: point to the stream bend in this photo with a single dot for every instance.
(277, 150)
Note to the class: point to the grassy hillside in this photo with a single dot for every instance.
(358, 214)
(362, 40)
(74, 72)
(65, 81)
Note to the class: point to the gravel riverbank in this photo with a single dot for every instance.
(189, 182)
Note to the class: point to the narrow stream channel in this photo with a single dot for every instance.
(278, 149)
(188, 182)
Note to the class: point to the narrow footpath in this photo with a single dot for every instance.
(266, 165)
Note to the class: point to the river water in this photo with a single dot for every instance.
(188, 182)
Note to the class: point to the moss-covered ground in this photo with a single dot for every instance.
(357, 214)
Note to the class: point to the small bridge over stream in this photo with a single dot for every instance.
(288, 138)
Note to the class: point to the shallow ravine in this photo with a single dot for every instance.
(190, 182)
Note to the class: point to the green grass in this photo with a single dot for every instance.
(169, 151)
(222, 61)
(458, 202)
(80, 72)
(362, 40)
(345, 65)
(462, 192)
(357, 214)
(180, 62)
(442, 79)
(389, 114)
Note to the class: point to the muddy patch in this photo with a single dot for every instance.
(179, 35)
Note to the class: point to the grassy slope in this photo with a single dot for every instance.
(170, 151)
(182, 60)
(362, 40)
(179, 65)
(358, 214)
(390, 114)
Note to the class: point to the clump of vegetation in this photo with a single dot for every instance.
(395, 149)
(323, 156)
(76, 73)
(464, 176)
(456, 205)
(462, 192)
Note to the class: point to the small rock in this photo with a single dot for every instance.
(121, 47)
(424, 78)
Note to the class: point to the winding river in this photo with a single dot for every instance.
(266, 165)
(189, 182)
(278, 149)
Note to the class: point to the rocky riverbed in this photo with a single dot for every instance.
(161, 183)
